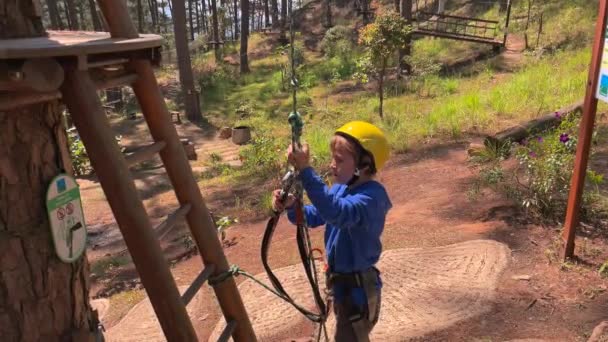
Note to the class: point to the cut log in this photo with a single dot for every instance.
(520, 132)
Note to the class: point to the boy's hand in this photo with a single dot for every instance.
(299, 158)
(276, 201)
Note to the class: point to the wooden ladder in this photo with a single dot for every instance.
(112, 168)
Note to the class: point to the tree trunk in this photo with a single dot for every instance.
(41, 298)
(53, 14)
(73, 13)
(205, 22)
(153, 14)
(406, 12)
(83, 21)
(198, 18)
(216, 30)
(163, 15)
(94, 16)
(236, 19)
(275, 13)
(328, 21)
(67, 16)
(189, 93)
(191, 19)
(244, 35)
(283, 19)
(381, 87)
(140, 17)
(266, 14)
(365, 10)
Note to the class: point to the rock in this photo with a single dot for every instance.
(225, 133)
(475, 149)
(521, 277)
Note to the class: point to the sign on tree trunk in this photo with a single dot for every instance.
(66, 217)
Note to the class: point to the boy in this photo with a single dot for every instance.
(354, 211)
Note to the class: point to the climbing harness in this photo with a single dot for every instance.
(290, 183)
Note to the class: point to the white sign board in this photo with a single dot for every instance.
(602, 84)
(66, 217)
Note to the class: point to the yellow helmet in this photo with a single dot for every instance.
(370, 137)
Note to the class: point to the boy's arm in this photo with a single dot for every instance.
(343, 212)
(313, 219)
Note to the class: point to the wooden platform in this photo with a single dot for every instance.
(74, 43)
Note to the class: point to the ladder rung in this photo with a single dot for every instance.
(164, 228)
(107, 62)
(228, 330)
(116, 81)
(145, 153)
(197, 283)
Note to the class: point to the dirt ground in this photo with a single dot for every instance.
(432, 207)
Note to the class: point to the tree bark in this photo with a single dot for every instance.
(406, 12)
(266, 14)
(198, 18)
(41, 298)
(67, 16)
(275, 13)
(216, 29)
(82, 20)
(153, 14)
(283, 19)
(56, 22)
(140, 17)
(191, 19)
(94, 16)
(236, 19)
(204, 19)
(328, 21)
(244, 35)
(73, 13)
(381, 88)
(164, 16)
(190, 95)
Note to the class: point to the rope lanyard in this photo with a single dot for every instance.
(290, 182)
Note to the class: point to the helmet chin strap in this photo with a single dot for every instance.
(354, 178)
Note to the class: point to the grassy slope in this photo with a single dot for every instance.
(480, 98)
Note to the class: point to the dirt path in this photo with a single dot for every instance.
(432, 209)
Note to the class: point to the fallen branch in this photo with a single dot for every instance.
(520, 132)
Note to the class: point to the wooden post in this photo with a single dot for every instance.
(584, 138)
(80, 96)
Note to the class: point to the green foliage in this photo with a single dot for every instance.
(222, 225)
(603, 271)
(80, 158)
(380, 41)
(547, 164)
(263, 156)
(338, 41)
(493, 151)
(383, 38)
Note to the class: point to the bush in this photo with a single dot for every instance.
(80, 159)
(263, 156)
(547, 164)
(337, 42)
(541, 183)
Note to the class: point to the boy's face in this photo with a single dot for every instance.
(342, 161)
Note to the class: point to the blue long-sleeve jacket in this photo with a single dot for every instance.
(354, 220)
